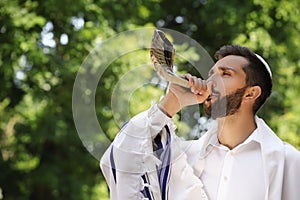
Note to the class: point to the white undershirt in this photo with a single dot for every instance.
(235, 174)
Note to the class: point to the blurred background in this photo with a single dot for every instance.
(43, 44)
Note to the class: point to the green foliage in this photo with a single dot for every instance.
(44, 43)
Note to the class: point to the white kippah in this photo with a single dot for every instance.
(265, 64)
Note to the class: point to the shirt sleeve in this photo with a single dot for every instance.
(130, 163)
(291, 179)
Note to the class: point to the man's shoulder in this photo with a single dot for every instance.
(271, 138)
(291, 153)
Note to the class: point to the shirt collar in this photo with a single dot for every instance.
(255, 136)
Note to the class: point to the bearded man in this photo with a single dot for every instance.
(239, 157)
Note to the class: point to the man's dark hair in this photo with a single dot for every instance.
(256, 72)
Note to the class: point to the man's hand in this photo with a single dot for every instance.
(178, 97)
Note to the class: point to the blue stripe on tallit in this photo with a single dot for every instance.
(164, 168)
(111, 157)
(146, 192)
(123, 126)
(112, 163)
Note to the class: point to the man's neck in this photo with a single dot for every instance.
(235, 129)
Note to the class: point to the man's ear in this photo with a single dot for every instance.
(252, 93)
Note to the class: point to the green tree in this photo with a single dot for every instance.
(43, 44)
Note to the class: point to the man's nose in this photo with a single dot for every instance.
(211, 82)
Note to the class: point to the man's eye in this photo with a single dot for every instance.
(226, 73)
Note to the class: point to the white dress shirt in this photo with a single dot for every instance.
(235, 174)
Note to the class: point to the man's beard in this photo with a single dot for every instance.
(225, 106)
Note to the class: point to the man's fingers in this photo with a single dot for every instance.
(198, 86)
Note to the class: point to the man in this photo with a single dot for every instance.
(239, 158)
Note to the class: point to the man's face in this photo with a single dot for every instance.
(228, 85)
